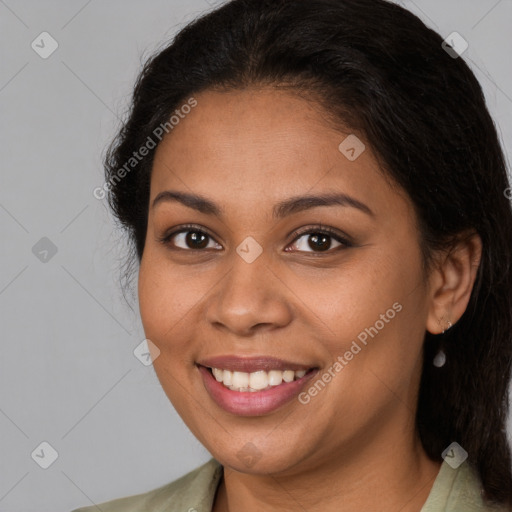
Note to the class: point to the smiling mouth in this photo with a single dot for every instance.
(260, 380)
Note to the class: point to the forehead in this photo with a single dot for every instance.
(260, 145)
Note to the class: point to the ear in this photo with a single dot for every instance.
(451, 282)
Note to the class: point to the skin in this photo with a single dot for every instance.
(354, 445)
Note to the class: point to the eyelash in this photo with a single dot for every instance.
(315, 230)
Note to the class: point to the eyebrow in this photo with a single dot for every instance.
(283, 209)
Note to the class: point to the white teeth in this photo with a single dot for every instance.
(275, 377)
(240, 380)
(255, 381)
(227, 378)
(217, 374)
(258, 380)
(288, 375)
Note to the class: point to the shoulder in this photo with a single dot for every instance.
(194, 491)
(458, 490)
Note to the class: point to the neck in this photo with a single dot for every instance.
(390, 477)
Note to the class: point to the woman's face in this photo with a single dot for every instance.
(239, 290)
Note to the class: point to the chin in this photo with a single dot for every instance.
(252, 458)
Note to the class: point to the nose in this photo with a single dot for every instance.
(249, 299)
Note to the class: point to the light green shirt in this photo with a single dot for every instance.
(454, 490)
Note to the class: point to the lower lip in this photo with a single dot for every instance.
(249, 403)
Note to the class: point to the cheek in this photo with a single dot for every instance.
(165, 300)
(166, 305)
(381, 322)
(372, 312)
(347, 300)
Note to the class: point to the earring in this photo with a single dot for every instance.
(449, 325)
(440, 359)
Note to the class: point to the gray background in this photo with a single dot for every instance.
(68, 374)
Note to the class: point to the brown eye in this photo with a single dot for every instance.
(196, 240)
(191, 239)
(319, 241)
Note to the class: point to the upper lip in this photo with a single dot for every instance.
(251, 364)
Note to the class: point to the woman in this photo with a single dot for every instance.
(316, 196)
